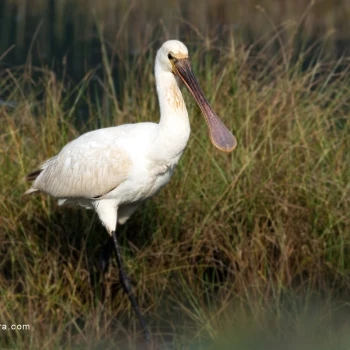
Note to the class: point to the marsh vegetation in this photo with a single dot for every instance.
(255, 240)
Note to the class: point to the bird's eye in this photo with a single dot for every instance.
(170, 56)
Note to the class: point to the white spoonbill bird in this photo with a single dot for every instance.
(113, 170)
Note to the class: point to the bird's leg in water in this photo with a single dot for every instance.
(125, 281)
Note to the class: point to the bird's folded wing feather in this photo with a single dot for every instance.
(84, 171)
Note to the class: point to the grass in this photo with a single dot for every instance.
(249, 249)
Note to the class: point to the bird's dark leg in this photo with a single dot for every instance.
(105, 256)
(125, 281)
(102, 263)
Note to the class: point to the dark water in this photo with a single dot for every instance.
(63, 34)
(33, 39)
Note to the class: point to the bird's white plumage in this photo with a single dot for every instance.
(115, 169)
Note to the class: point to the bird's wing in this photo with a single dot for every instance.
(84, 170)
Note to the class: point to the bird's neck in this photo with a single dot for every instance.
(174, 127)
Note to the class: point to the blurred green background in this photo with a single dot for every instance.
(64, 34)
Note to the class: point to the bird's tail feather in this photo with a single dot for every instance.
(32, 176)
(31, 190)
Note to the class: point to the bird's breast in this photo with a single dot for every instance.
(144, 181)
(159, 175)
(163, 177)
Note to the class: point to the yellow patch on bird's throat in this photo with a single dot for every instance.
(175, 97)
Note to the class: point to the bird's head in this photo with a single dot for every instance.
(170, 52)
(173, 57)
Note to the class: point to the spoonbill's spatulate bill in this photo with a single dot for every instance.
(113, 170)
(220, 136)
